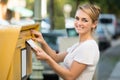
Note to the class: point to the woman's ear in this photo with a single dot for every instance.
(95, 24)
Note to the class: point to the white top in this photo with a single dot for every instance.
(87, 53)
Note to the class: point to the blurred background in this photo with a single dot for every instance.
(56, 18)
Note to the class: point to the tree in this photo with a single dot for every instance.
(51, 10)
(109, 6)
(55, 12)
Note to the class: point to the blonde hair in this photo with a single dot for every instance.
(92, 10)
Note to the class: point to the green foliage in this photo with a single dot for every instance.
(107, 6)
(30, 4)
(58, 14)
(59, 22)
(3, 1)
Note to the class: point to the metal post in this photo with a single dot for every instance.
(37, 10)
(37, 67)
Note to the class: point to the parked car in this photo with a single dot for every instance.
(45, 25)
(117, 29)
(108, 22)
(70, 28)
(52, 39)
(103, 37)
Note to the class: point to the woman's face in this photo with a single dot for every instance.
(83, 23)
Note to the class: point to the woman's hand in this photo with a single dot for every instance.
(40, 54)
(38, 36)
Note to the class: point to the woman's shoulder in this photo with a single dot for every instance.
(90, 43)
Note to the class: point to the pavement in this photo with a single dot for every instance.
(109, 64)
(115, 75)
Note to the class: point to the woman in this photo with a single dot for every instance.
(81, 59)
(7, 15)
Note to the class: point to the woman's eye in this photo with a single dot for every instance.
(85, 20)
(76, 18)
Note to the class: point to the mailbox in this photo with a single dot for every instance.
(16, 55)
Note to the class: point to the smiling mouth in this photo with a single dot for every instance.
(80, 28)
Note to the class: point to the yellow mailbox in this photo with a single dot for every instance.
(15, 54)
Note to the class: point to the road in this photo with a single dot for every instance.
(115, 42)
(109, 64)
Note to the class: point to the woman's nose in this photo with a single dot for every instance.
(79, 22)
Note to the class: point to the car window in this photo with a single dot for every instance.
(72, 32)
(50, 39)
(99, 30)
(105, 21)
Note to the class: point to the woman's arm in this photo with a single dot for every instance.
(58, 57)
(39, 38)
(67, 74)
